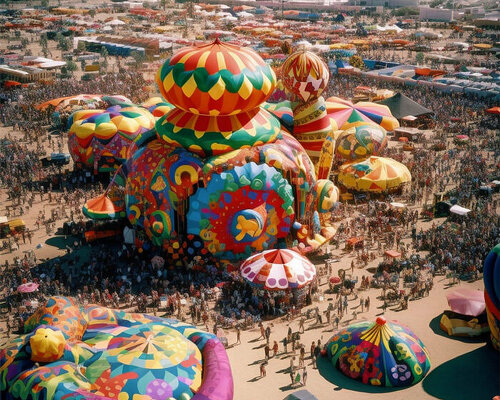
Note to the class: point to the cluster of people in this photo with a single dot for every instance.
(120, 276)
(20, 110)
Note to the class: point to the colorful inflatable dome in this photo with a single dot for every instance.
(379, 353)
(218, 167)
(374, 174)
(360, 142)
(491, 276)
(347, 114)
(216, 79)
(100, 139)
(92, 352)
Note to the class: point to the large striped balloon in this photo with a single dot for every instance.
(216, 79)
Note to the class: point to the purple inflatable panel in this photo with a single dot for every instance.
(217, 377)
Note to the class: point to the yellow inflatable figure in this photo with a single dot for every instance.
(47, 345)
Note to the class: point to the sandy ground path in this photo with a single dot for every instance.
(458, 367)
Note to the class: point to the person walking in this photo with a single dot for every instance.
(268, 334)
(275, 348)
(263, 370)
(262, 331)
(317, 351)
(266, 352)
(304, 376)
(238, 335)
(302, 356)
(301, 325)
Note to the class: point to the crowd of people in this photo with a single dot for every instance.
(121, 276)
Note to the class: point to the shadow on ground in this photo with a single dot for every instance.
(473, 375)
(61, 242)
(436, 328)
(333, 375)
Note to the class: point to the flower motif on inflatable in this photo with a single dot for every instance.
(491, 276)
(100, 139)
(218, 166)
(379, 353)
(99, 353)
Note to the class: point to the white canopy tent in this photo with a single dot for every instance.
(456, 209)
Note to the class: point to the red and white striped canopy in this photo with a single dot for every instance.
(278, 269)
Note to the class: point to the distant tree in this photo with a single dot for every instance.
(104, 64)
(45, 3)
(436, 3)
(163, 4)
(403, 11)
(357, 62)
(138, 57)
(71, 66)
(419, 58)
(81, 46)
(62, 42)
(92, 12)
(43, 41)
(286, 47)
(82, 65)
(104, 52)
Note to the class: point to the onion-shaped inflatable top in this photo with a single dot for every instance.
(216, 79)
(305, 75)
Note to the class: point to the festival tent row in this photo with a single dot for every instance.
(411, 76)
(117, 49)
